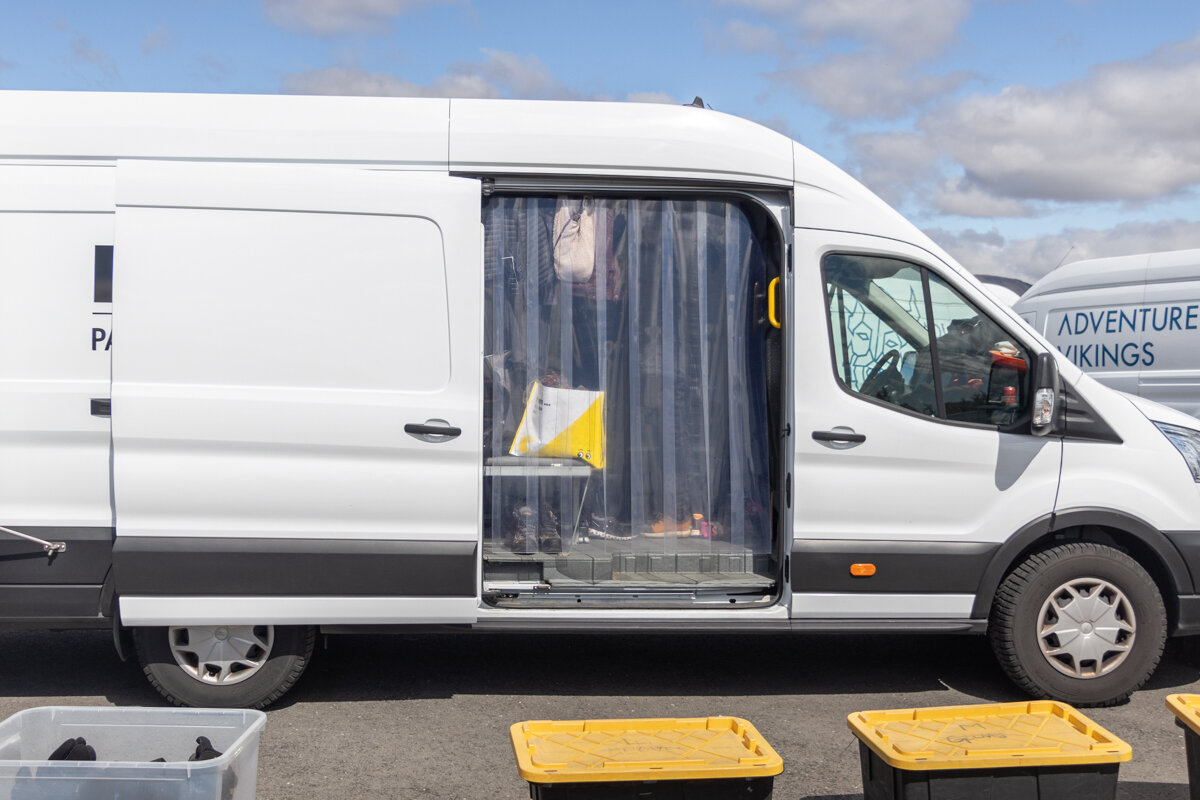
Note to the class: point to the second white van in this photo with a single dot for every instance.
(1131, 322)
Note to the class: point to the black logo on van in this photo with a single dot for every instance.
(103, 284)
(102, 293)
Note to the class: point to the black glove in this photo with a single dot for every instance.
(204, 750)
(73, 750)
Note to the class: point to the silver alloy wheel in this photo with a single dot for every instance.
(1086, 628)
(221, 654)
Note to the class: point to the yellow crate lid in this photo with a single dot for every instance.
(585, 751)
(1033, 734)
(1187, 708)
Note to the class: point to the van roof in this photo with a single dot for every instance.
(1170, 265)
(502, 136)
(476, 137)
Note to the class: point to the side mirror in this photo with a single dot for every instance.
(1047, 396)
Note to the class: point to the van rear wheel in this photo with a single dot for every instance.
(1079, 622)
(224, 666)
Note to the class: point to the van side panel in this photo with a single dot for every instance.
(926, 500)
(1098, 329)
(56, 234)
(1173, 376)
(281, 327)
(1142, 478)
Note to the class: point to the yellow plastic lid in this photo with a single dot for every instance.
(1033, 734)
(1187, 708)
(586, 751)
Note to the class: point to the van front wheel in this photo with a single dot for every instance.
(1079, 622)
(224, 666)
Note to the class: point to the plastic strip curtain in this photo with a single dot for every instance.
(669, 327)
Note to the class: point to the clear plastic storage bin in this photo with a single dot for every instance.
(127, 741)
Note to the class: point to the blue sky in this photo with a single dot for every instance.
(1016, 132)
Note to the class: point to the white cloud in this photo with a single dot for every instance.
(894, 164)
(777, 123)
(1123, 134)
(330, 17)
(965, 198)
(518, 76)
(1126, 132)
(651, 97)
(989, 253)
(871, 56)
(212, 70)
(355, 81)
(497, 75)
(918, 29)
(155, 40)
(912, 26)
(84, 52)
(867, 85)
(747, 37)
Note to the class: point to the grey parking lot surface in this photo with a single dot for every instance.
(428, 715)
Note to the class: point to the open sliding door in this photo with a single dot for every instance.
(295, 405)
(633, 399)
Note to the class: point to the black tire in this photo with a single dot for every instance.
(1017, 613)
(289, 653)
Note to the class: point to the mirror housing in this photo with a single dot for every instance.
(1048, 397)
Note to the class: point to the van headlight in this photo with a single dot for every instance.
(1187, 442)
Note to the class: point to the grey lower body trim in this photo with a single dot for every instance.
(823, 565)
(830, 626)
(48, 603)
(633, 626)
(1188, 545)
(85, 561)
(1187, 621)
(889, 625)
(44, 590)
(219, 567)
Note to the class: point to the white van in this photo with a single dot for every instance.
(274, 366)
(1132, 322)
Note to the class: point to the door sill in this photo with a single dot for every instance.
(529, 594)
(772, 617)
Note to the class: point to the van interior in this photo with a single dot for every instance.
(632, 381)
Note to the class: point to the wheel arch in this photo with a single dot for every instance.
(1142, 541)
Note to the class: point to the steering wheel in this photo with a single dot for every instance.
(890, 357)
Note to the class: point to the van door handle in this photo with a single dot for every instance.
(839, 436)
(425, 429)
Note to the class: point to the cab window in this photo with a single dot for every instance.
(902, 336)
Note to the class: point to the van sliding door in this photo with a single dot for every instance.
(295, 395)
(627, 399)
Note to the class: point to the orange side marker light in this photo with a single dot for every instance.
(862, 570)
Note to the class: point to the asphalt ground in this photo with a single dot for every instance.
(428, 715)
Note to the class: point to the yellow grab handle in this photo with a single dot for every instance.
(772, 314)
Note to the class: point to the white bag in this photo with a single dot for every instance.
(562, 423)
(575, 239)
